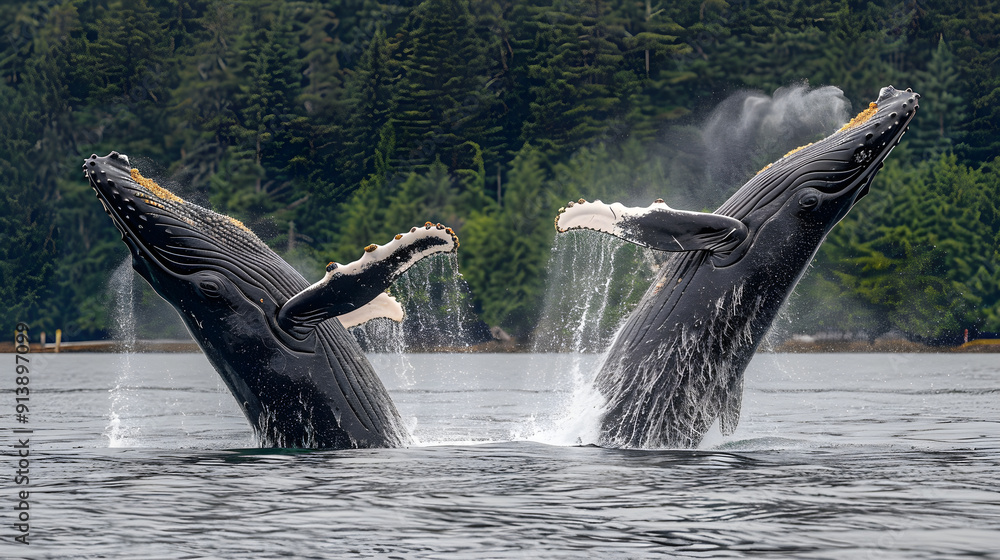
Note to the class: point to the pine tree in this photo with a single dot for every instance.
(203, 109)
(322, 105)
(432, 196)
(263, 123)
(26, 216)
(371, 90)
(442, 102)
(859, 50)
(131, 47)
(505, 250)
(938, 126)
(652, 41)
(315, 26)
(579, 88)
(971, 31)
(508, 96)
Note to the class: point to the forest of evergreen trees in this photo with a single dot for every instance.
(328, 125)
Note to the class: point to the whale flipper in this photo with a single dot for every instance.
(383, 306)
(657, 226)
(731, 405)
(349, 287)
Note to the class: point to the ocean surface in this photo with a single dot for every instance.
(836, 456)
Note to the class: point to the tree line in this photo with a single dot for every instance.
(326, 126)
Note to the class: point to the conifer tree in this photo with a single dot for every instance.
(942, 113)
(652, 41)
(319, 110)
(26, 217)
(442, 103)
(508, 95)
(857, 54)
(578, 91)
(506, 249)
(430, 196)
(262, 127)
(314, 25)
(131, 45)
(371, 90)
(203, 101)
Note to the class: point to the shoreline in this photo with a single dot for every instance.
(882, 346)
(879, 346)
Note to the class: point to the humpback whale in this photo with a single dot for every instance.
(300, 379)
(676, 365)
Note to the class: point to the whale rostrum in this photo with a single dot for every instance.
(300, 379)
(676, 365)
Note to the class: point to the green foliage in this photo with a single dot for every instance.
(327, 126)
(439, 112)
(26, 254)
(921, 258)
(505, 248)
(942, 108)
(371, 86)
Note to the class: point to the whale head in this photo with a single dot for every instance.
(809, 190)
(210, 267)
(225, 282)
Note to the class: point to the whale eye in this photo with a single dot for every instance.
(808, 201)
(210, 288)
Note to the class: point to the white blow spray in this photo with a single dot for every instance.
(750, 129)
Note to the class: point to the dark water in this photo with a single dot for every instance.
(836, 456)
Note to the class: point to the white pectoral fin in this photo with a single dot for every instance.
(383, 305)
(657, 226)
(350, 288)
(405, 250)
(595, 216)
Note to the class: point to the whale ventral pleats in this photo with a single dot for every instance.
(676, 365)
(300, 380)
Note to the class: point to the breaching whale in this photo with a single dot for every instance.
(676, 365)
(300, 379)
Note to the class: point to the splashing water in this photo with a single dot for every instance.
(383, 336)
(594, 281)
(439, 314)
(741, 135)
(587, 301)
(385, 341)
(121, 430)
(431, 292)
(438, 306)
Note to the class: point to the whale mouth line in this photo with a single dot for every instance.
(862, 193)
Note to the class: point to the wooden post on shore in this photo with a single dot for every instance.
(41, 339)
(58, 339)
